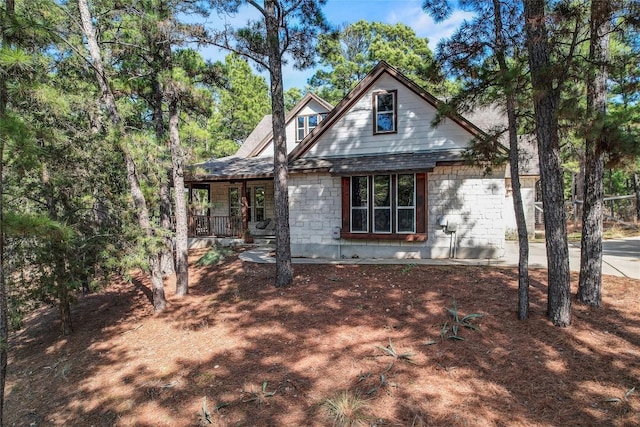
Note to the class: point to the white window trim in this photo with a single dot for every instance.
(305, 125)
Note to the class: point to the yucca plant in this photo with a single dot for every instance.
(391, 351)
(465, 322)
(259, 396)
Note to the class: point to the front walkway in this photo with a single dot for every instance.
(621, 258)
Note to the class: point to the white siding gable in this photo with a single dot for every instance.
(352, 134)
(312, 107)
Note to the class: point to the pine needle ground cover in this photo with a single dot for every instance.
(345, 345)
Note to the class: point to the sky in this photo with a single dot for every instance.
(337, 12)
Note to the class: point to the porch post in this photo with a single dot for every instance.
(245, 207)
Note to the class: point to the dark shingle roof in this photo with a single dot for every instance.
(260, 132)
(387, 163)
(230, 168)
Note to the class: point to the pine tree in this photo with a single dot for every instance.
(140, 202)
(546, 103)
(242, 101)
(590, 282)
(7, 25)
(285, 27)
(492, 72)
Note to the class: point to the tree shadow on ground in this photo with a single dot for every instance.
(238, 351)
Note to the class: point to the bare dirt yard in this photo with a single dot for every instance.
(345, 345)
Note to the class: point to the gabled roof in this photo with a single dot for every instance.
(360, 89)
(246, 165)
(492, 118)
(263, 135)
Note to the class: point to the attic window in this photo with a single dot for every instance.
(384, 111)
(305, 124)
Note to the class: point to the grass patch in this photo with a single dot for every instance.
(214, 256)
(347, 409)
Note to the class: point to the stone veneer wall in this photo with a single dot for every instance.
(459, 193)
(475, 203)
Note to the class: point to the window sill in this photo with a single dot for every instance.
(385, 132)
(415, 237)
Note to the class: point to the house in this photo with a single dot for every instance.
(368, 178)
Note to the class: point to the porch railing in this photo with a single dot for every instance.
(219, 226)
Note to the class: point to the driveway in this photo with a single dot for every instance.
(620, 257)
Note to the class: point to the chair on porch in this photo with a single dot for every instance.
(265, 228)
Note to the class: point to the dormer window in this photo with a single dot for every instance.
(384, 111)
(305, 124)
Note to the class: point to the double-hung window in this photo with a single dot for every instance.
(301, 130)
(259, 203)
(235, 205)
(385, 206)
(382, 204)
(406, 204)
(255, 204)
(359, 204)
(384, 112)
(306, 124)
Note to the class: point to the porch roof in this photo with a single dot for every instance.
(234, 168)
(383, 163)
(231, 168)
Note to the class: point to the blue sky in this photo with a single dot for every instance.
(408, 12)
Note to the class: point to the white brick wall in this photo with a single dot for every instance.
(315, 208)
(461, 193)
(475, 202)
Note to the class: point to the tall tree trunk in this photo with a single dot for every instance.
(580, 182)
(159, 301)
(284, 269)
(157, 283)
(514, 164)
(590, 282)
(182, 240)
(59, 253)
(66, 327)
(636, 189)
(167, 263)
(171, 93)
(546, 101)
(4, 310)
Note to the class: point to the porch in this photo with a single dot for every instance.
(225, 209)
(228, 227)
(211, 230)
(215, 226)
